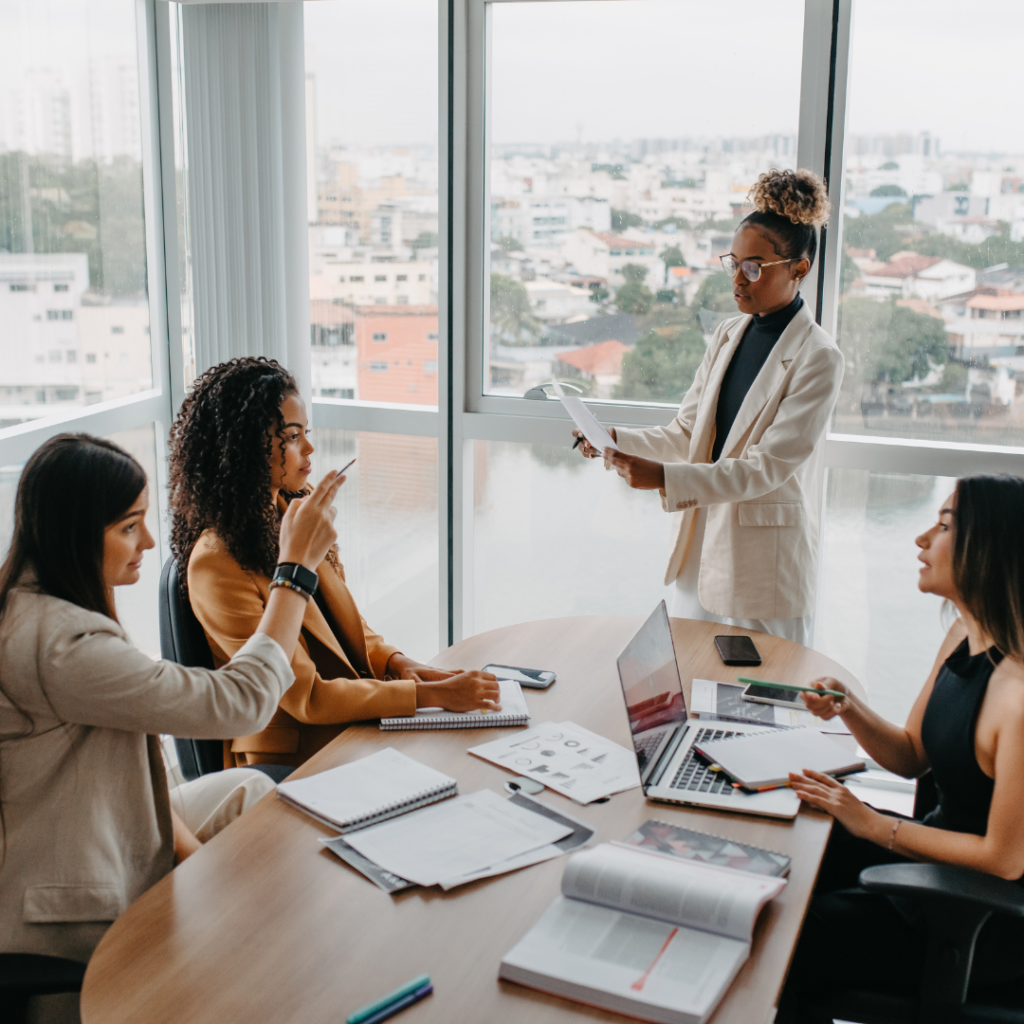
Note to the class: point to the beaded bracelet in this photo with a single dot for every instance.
(291, 585)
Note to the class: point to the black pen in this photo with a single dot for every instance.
(576, 443)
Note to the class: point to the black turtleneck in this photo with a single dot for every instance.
(758, 340)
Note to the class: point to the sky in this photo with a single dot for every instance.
(618, 68)
(648, 68)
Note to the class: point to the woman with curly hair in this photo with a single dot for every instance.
(239, 453)
(743, 457)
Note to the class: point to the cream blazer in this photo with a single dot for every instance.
(763, 496)
(82, 786)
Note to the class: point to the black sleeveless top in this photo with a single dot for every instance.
(947, 733)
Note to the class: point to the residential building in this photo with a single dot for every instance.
(397, 353)
(604, 255)
(359, 278)
(908, 275)
(333, 340)
(600, 365)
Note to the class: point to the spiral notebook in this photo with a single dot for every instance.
(361, 793)
(513, 712)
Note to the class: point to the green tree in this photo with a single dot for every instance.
(883, 341)
(634, 297)
(510, 244)
(679, 223)
(954, 378)
(888, 190)
(634, 272)
(889, 165)
(715, 293)
(425, 240)
(511, 314)
(661, 365)
(622, 219)
(878, 231)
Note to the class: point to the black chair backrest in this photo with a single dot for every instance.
(182, 640)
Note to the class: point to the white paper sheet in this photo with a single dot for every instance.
(585, 420)
(459, 837)
(567, 758)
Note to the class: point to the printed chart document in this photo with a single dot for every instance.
(642, 934)
(513, 711)
(459, 837)
(567, 758)
(369, 790)
(725, 701)
(580, 835)
(585, 420)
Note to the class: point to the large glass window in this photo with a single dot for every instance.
(606, 558)
(622, 139)
(931, 313)
(871, 617)
(387, 531)
(73, 295)
(371, 138)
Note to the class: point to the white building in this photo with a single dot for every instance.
(553, 300)
(115, 351)
(369, 282)
(908, 275)
(533, 221)
(595, 254)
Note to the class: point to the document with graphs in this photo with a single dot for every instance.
(643, 934)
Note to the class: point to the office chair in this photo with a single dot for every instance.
(955, 902)
(182, 640)
(23, 975)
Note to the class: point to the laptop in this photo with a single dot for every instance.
(663, 736)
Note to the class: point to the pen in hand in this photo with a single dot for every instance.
(576, 443)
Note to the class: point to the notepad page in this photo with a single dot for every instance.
(511, 699)
(365, 787)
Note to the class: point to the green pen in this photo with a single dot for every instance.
(371, 1008)
(790, 686)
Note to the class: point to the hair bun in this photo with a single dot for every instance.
(799, 196)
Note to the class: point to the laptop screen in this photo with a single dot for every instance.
(651, 686)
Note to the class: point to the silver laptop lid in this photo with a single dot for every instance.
(652, 689)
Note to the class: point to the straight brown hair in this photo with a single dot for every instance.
(988, 557)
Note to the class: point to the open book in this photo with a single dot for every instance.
(643, 934)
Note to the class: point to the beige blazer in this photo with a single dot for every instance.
(334, 685)
(764, 494)
(82, 785)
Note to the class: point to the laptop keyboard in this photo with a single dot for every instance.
(695, 776)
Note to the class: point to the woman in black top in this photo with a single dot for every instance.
(966, 727)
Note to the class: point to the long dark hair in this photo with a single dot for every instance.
(988, 557)
(220, 451)
(71, 489)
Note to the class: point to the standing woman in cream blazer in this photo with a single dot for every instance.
(743, 457)
(88, 822)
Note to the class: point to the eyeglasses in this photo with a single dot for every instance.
(751, 268)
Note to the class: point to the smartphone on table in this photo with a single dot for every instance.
(771, 693)
(534, 678)
(737, 650)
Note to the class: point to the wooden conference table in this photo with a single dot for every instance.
(263, 925)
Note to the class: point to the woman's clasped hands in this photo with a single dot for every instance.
(639, 473)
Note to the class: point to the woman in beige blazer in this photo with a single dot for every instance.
(240, 452)
(87, 821)
(742, 460)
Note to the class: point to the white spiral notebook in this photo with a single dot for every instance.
(513, 712)
(369, 790)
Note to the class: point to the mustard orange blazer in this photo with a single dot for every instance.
(331, 687)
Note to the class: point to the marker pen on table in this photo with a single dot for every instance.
(396, 1007)
(366, 1012)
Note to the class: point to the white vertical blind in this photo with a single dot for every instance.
(246, 165)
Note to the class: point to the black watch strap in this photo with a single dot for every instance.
(297, 575)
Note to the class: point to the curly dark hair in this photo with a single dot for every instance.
(220, 451)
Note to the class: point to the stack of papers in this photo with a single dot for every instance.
(567, 758)
(579, 835)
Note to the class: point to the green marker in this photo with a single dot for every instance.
(371, 1008)
(790, 686)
